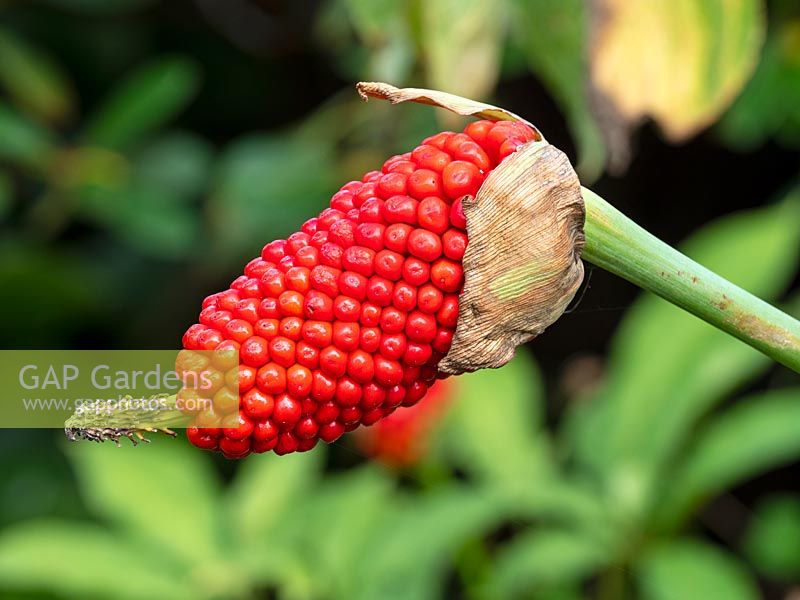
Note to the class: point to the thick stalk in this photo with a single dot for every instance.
(620, 246)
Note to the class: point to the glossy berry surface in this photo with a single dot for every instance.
(346, 320)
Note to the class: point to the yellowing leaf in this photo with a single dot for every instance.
(680, 62)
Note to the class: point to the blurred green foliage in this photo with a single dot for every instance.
(123, 200)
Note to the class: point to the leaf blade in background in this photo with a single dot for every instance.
(409, 551)
(382, 26)
(498, 413)
(462, 55)
(178, 162)
(769, 106)
(148, 98)
(150, 220)
(24, 142)
(264, 489)
(33, 80)
(691, 569)
(544, 558)
(757, 434)
(667, 368)
(81, 560)
(772, 541)
(333, 548)
(164, 492)
(552, 36)
(681, 62)
(265, 187)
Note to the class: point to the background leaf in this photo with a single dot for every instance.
(331, 546)
(151, 220)
(699, 56)
(35, 83)
(383, 27)
(264, 491)
(265, 187)
(769, 107)
(541, 559)
(23, 142)
(409, 552)
(758, 434)
(81, 560)
(690, 569)
(772, 542)
(147, 99)
(462, 55)
(178, 162)
(498, 414)
(552, 36)
(165, 494)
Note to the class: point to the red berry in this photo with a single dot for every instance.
(257, 404)
(447, 275)
(396, 237)
(323, 387)
(389, 264)
(420, 327)
(400, 209)
(429, 298)
(317, 333)
(454, 244)
(461, 178)
(333, 361)
(254, 352)
(425, 245)
(379, 291)
(330, 432)
(430, 157)
(271, 379)
(346, 309)
(325, 279)
(392, 184)
(318, 306)
(353, 285)
(433, 214)
(360, 366)
(298, 381)
(405, 296)
(281, 351)
(306, 429)
(287, 443)
(286, 412)
(416, 271)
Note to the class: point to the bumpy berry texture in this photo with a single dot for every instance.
(403, 438)
(346, 320)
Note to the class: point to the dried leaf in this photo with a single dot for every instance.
(451, 102)
(522, 266)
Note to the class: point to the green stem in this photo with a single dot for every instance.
(619, 245)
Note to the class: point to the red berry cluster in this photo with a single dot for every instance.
(402, 439)
(344, 321)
